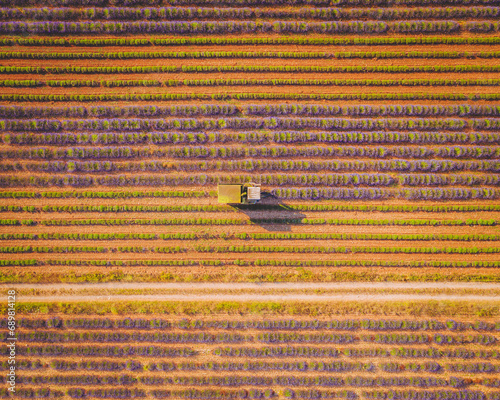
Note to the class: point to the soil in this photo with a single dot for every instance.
(184, 290)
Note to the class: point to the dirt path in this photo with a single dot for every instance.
(186, 287)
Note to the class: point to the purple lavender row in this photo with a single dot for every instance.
(94, 167)
(263, 165)
(376, 325)
(125, 337)
(448, 180)
(246, 3)
(192, 124)
(169, 138)
(147, 111)
(214, 13)
(231, 152)
(314, 193)
(235, 27)
(370, 194)
(202, 179)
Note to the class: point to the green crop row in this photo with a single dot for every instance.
(107, 83)
(253, 82)
(90, 249)
(118, 208)
(305, 221)
(20, 83)
(130, 263)
(257, 262)
(248, 96)
(55, 249)
(368, 263)
(253, 12)
(79, 236)
(145, 69)
(225, 208)
(249, 249)
(5, 55)
(355, 236)
(16, 222)
(246, 236)
(298, 207)
(345, 250)
(104, 195)
(333, 82)
(244, 41)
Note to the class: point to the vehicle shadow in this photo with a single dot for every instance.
(271, 213)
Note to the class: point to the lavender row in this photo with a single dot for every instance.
(194, 236)
(396, 110)
(168, 138)
(267, 325)
(247, 3)
(371, 110)
(276, 180)
(73, 83)
(321, 381)
(370, 194)
(108, 393)
(62, 380)
(276, 352)
(373, 352)
(103, 351)
(314, 193)
(120, 337)
(239, 27)
(206, 394)
(191, 124)
(420, 352)
(231, 381)
(131, 111)
(426, 395)
(263, 165)
(448, 180)
(300, 366)
(233, 152)
(229, 13)
(353, 381)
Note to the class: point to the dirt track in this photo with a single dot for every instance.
(185, 288)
